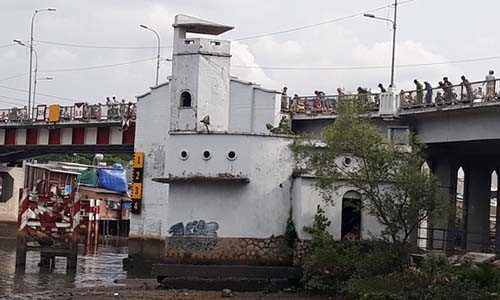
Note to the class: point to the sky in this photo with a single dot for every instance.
(429, 32)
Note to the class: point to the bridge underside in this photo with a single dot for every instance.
(465, 151)
(474, 222)
(13, 153)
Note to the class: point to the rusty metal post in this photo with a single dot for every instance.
(22, 222)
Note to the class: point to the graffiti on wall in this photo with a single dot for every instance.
(195, 236)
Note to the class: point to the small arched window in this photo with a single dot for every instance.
(186, 100)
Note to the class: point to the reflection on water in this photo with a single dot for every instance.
(101, 269)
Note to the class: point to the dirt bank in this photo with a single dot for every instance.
(121, 293)
(148, 289)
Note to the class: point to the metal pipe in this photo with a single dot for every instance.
(36, 74)
(394, 24)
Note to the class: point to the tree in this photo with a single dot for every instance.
(389, 176)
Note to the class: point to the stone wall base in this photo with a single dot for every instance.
(146, 247)
(230, 251)
(273, 251)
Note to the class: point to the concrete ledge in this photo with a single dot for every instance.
(234, 284)
(222, 271)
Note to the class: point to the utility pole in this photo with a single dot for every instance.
(158, 51)
(31, 56)
(394, 30)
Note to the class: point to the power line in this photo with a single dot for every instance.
(98, 67)
(365, 67)
(12, 98)
(7, 45)
(100, 46)
(318, 24)
(12, 77)
(40, 94)
(238, 39)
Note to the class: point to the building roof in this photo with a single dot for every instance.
(195, 25)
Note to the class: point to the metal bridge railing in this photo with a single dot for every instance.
(441, 239)
(458, 94)
(79, 112)
(326, 104)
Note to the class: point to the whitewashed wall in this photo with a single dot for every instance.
(258, 209)
(306, 198)
(150, 137)
(9, 209)
(252, 107)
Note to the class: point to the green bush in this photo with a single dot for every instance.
(332, 263)
(435, 280)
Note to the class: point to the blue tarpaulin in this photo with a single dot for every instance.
(113, 179)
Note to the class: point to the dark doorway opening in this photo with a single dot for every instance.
(351, 216)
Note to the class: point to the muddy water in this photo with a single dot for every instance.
(101, 269)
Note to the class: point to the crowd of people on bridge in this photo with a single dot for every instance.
(112, 110)
(444, 93)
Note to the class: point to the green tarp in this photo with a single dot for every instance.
(89, 178)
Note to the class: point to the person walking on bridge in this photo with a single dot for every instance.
(468, 88)
(428, 93)
(448, 90)
(420, 91)
(490, 85)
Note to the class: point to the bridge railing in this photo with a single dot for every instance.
(459, 94)
(323, 104)
(80, 112)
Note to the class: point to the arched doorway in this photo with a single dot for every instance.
(351, 216)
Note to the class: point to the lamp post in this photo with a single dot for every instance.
(394, 27)
(31, 54)
(36, 70)
(158, 52)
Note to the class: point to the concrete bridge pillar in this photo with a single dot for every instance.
(477, 206)
(441, 226)
(497, 226)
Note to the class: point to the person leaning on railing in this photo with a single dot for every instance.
(284, 99)
(428, 93)
(294, 102)
(420, 91)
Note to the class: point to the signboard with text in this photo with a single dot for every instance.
(137, 182)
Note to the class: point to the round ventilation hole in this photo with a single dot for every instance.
(231, 155)
(207, 155)
(184, 155)
(347, 161)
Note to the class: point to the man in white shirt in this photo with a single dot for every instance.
(490, 85)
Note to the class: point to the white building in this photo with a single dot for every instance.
(11, 181)
(221, 191)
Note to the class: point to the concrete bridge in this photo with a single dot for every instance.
(460, 127)
(80, 128)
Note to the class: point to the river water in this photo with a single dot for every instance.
(101, 269)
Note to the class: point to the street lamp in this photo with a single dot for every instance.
(31, 54)
(394, 27)
(20, 43)
(158, 53)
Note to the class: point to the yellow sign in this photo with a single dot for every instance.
(139, 160)
(136, 190)
(54, 113)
